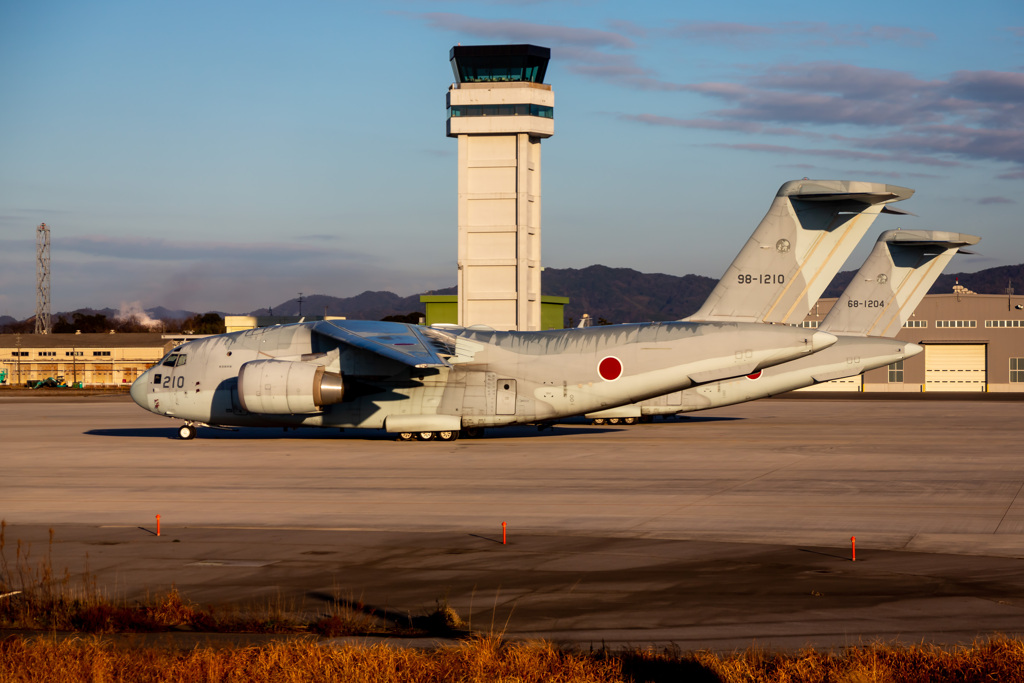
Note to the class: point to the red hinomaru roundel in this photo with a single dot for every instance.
(610, 368)
(755, 375)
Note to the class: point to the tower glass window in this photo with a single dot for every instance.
(499, 63)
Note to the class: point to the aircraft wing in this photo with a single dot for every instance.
(398, 341)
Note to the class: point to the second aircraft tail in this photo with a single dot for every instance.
(895, 277)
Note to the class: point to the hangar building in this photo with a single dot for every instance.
(972, 342)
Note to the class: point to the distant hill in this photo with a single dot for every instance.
(618, 295)
(988, 281)
(365, 306)
(626, 295)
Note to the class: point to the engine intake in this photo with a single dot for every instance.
(281, 387)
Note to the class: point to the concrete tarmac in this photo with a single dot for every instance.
(727, 529)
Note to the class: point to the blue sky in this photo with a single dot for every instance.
(229, 155)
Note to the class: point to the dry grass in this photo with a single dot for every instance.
(491, 659)
(46, 660)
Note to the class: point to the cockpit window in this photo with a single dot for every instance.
(171, 360)
(181, 359)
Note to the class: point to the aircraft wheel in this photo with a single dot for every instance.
(614, 420)
(448, 435)
(406, 436)
(424, 436)
(186, 432)
(629, 420)
(598, 420)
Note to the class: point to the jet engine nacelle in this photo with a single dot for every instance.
(279, 387)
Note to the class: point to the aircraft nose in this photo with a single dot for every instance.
(822, 340)
(911, 349)
(138, 390)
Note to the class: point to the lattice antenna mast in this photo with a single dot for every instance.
(43, 279)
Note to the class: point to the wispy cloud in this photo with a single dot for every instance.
(996, 200)
(520, 31)
(803, 33)
(972, 115)
(156, 249)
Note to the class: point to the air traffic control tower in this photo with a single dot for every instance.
(500, 109)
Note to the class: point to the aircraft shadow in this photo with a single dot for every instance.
(311, 433)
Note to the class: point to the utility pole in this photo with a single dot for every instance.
(1009, 294)
(300, 304)
(43, 279)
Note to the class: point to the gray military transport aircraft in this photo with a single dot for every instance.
(879, 299)
(425, 382)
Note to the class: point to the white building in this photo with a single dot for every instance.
(499, 109)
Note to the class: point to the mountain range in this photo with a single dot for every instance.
(618, 294)
(614, 294)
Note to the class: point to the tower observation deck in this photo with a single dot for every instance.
(499, 109)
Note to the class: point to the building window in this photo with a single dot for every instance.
(101, 353)
(460, 110)
(896, 371)
(916, 323)
(72, 353)
(1017, 369)
(20, 353)
(1004, 323)
(46, 353)
(956, 323)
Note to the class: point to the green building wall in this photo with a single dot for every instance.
(444, 308)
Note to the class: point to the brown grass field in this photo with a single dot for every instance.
(91, 658)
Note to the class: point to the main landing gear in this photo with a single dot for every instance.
(187, 431)
(618, 420)
(447, 435)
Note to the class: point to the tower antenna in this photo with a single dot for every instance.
(43, 279)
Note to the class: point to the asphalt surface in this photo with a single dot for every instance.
(725, 530)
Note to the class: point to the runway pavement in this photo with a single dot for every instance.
(726, 529)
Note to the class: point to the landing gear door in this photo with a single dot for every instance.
(506, 397)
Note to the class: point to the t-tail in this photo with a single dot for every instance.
(893, 280)
(796, 250)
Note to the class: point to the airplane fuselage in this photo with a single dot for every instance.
(488, 379)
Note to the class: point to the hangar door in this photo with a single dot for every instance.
(954, 367)
(854, 383)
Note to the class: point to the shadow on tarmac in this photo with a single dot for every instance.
(305, 433)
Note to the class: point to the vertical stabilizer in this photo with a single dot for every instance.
(796, 250)
(895, 277)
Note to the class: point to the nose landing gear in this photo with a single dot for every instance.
(187, 431)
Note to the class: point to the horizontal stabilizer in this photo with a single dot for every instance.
(398, 341)
(722, 373)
